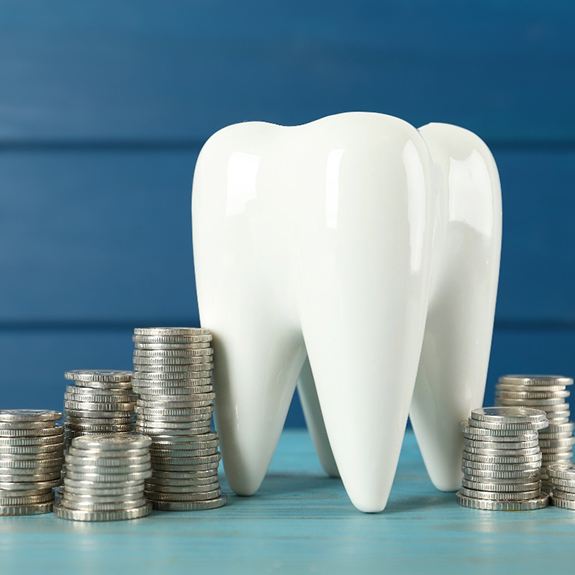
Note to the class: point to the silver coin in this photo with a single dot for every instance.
(94, 406)
(489, 505)
(538, 380)
(552, 443)
(492, 474)
(173, 331)
(159, 474)
(505, 416)
(125, 419)
(541, 404)
(182, 446)
(177, 378)
(31, 509)
(502, 459)
(99, 375)
(502, 435)
(27, 451)
(557, 429)
(161, 496)
(511, 388)
(172, 385)
(106, 462)
(500, 452)
(28, 426)
(99, 477)
(28, 488)
(508, 428)
(29, 477)
(528, 394)
(87, 505)
(563, 503)
(81, 515)
(167, 456)
(130, 397)
(40, 416)
(112, 442)
(120, 454)
(33, 441)
(189, 371)
(7, 499)
(169, 392)
(172, 427)
(190, 505)
(199, 460)
(500, 495)
(178, 440)
(187, 487)
(105, 385)
(101, 488)
(178, 411)
(520, 446)
(86, 414)
(174, 358)
(143, 345)
(28, 462)
(555, 450)
(177, 468)
(558, 492)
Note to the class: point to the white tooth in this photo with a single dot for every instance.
(455, 353)
(324, 233)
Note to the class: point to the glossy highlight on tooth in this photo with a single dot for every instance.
(357, 257)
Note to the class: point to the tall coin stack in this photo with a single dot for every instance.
(562, 477)
(100, 401)
(173, 370)
(549, 394)
(31, 457)
(105, 477)
(502, 460)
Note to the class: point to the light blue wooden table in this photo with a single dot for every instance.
(302, 522)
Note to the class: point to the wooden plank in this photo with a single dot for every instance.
(105, 237)
(302, 522)
(148, 70)
(34, 360)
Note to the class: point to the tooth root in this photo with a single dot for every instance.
(255, 381)
(363, 306)
(314, 420)
(455, 353)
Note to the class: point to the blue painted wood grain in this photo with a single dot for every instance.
(182, 69)
(301, 522)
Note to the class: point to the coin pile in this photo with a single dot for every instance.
(173, 370)
(31, 457)
(100, 401)
(549, 394)
(562, 477)
(502, 460)
(105, 477)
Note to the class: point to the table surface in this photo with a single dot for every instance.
(302, 522)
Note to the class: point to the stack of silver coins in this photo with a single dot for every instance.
(100, 401)
(502, 460)
(173, 370)
(548, 393)
(105, 477)
(562, 478)
(31, 457)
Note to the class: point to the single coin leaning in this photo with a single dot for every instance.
(82, 515)
(490, 505)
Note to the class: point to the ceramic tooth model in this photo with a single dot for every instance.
(360, 255)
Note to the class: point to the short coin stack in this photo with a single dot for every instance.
(562, 477)
(502, 460)
(173, 379)
(31, 457)
(105, 477)
(549, 394)
(100, 401)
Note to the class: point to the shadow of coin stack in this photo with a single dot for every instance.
(31, 458)
(173, 370)
(105, 477)
(549, 394)
(502, 460)
(100, 401)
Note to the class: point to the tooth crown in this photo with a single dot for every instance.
(365, 252)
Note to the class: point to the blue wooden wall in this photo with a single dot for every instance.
(104, 106)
